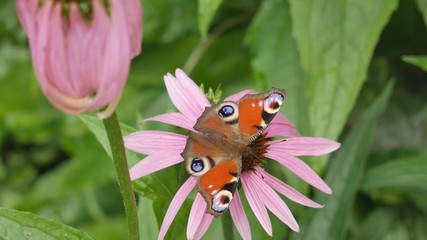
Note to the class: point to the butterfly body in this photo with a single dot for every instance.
(225, 132)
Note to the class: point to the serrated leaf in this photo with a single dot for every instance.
(407, 172)
(336, 40)
(275, 59)
(18, 225)
(344, 177)
(419, 61)
(206, 12)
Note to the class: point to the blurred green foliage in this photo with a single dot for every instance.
(334, 58)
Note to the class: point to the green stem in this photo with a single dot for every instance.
(112, 127)
(227, 226)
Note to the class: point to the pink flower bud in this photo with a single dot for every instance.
(82, 60)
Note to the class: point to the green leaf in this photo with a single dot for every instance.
(336, 40)
(97, 128)
(344, 177)
(88, 169)
(206, 12)
(166, 21)
(275, 59)
(406, 172)
(18, 225)
(422, 7)
(419, 61)
(376, 226)
(147, 220)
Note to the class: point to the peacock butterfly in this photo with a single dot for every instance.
(214, 153)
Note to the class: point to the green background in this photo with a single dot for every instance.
(353, 70)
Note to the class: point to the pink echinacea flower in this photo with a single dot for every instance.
(261, 188)
(82, 58)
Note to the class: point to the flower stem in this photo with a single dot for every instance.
(112, 127)
(227, 226)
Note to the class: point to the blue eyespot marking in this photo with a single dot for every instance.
(197, 165)
(226, 111)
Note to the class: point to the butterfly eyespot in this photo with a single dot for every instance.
(197, 165)
(221, 201)
(226, 111)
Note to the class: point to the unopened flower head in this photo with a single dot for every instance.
(81, 52)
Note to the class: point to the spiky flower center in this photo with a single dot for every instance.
(254, 155)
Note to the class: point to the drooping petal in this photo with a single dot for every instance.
(237, 96)
(304, 146)
(204, 225)
(56, 62)
(272, 201)
(152, 142)
(175, 118)
(255, 202)
(301, 169)
(281, 126)
(176, 203)
(239, 217)
(27, 10)
(154, 163)
(133, 12)
(186, 95)
(196, 215)
(75, 80)
(287, 190)
(49, 57)
(115, 59)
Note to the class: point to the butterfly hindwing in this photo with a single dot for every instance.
(218, 185)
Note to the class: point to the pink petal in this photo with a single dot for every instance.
(56, 62)
(73, 81)
(281, 126)
(116, 57)
(93, 46)
(272, 201)
(304, 146)
(27, 12)
(236, 97)
(152, 142)
(175, 118)
(204, 225)
(287, 190)
(155, 162)
(196, 215)
(186, 95)
(301, 169)
(281, 130)
(133, 12)
(239, 217)
(49, 57)
(175, 205)
(255, 202)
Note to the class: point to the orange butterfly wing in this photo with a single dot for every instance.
(215, 154)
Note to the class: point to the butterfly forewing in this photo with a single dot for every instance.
(257, 111)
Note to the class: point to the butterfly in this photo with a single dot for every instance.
(225, 131)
